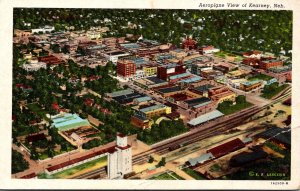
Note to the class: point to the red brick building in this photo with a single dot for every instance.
(189, 44)
(254, 62)
(266, 64)
(126, 68)
(164, 72)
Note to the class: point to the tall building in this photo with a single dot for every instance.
(126, 68)
(120, 159)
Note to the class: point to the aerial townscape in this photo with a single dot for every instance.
(151, 94)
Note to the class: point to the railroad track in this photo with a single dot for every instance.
(191, 137)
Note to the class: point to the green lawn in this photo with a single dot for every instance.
(166, 176)
(229, 109)
(271, 93)
(193, 174)
(76, 169)
(260, 77)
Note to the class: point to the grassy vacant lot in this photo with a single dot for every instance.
(229, 109)
(224, 54)
(167, 176)
(193, 174)
(71, 171)
(260, 77)
(272, 90)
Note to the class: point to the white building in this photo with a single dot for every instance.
(43, 29)
(34, 66)
(120, 159)
(113, 56)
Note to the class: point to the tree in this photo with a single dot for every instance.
(162, 162)
(18, 164)
(241, 99)
(151, 159)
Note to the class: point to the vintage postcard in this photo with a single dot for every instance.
(150, 94)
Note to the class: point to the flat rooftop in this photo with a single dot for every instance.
(205, 117)
(197, 101)
(68, 121)
(152, 108)
(170, 89)
(203, 88)
(121, 92)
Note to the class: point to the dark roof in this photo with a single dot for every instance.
(226, 148)
(179, 97)
(123, 148)
(197, 101)
(124, 99)
(173, 115)
(288, 102)
(121, 135)
(203, 88)
(282, 135)
(169, 90)
(155, 80)
(28, 176)
(245, 157)
(73, 161)
(36, 137)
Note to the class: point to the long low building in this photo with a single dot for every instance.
(68, 121)
(204, 118)
(226, 148)
(77, 161)
(201, 159)
(154, 110)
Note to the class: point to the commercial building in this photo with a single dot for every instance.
(210, 74)
(155, 110)
(120, 159)
(51, 60)
(141, 122)
(150, 70)
(142, 100)
(204, 118)
(253, 62)
(43, 29)
(168, 91)
(252, 54)
(150, 82)
(208, 49)
(113, 56)
(22, 33)
(126, 69)
(266, 64)
(178, 53)
(165, 71)
(250, 85)
(221, 93)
